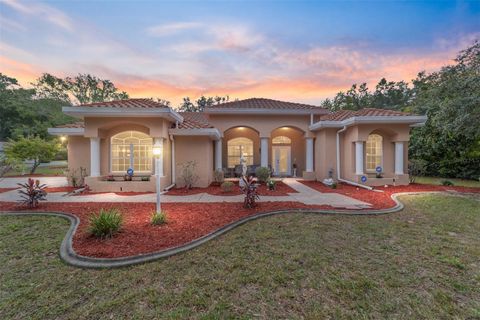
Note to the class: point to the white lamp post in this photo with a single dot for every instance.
(157, 152)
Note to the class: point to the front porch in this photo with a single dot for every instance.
(287, 151)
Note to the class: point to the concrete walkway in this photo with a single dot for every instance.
(49, 181)
(305, 195)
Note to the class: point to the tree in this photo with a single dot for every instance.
(201, 103)
(32, 148)
(83, 88)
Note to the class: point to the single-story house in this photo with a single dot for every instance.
(292, 139)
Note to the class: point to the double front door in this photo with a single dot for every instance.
(281, 160)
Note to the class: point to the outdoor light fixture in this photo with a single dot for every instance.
(157, 150)
(63, 139)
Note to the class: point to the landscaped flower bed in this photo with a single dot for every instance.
(281, 189)
(2, 190)
(186, 222)
(382, 200)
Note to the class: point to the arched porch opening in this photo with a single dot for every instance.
(287, 152)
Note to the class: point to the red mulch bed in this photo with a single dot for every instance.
(281, 189)
(186, 222)
(2, 190)
(60, 189)
(382, 200)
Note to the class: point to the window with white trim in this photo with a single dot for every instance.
(236, 148)
(131, 149)
(374, 152)
(281, 140)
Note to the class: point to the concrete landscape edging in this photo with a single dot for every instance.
(69, 256)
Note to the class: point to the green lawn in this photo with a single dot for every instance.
(53, 170)
(423, 262)
(457, 182)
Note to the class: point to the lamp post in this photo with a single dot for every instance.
(157, 152)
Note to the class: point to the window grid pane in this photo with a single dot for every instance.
(374, 152)
(121, 146)
(238, 147)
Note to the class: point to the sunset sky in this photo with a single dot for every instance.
(295, 51)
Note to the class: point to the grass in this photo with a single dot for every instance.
(50, 171)
(456, 182)
(420, 263)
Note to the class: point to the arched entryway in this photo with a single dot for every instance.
(287, 154)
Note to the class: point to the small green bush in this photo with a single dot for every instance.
(227, 186)
(218, 176)
(159, 218)
(333, 186)
(271, 184)
(262, 173)
(105, 223)
(447, 183)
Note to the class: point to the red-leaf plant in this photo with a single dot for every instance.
(250, 190)
(32, 192)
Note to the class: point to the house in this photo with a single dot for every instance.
(289, 138)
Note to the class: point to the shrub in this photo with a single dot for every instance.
(32, 192)
(76, 178)
(271, 184)
(333, 186)
(159, 218)
(227, 186)
(447, 183)
(416, 167)
(105, 223)
(251, 193)
(262, 173)
(187, 173)
(218, 176)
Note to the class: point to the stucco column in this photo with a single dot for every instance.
(158, 143)
(264, 152)
(218, 154)
(398, 158)
(359, 157)
(95, 157)
(309, 155)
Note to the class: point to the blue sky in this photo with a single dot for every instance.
(292, 50)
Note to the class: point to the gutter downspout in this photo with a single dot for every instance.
(338, 163)
(172, 164)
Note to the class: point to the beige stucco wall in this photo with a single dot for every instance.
(78, 153)
(198, 149)
(264, 124)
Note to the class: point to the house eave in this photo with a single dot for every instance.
(411, 120)
(265, 111)
(66, 131)
(82, 112)
(213, 133)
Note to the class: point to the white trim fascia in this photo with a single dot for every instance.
(368, 120)
(210, 132)
(265, 111)
(81, 112)
(66, 131)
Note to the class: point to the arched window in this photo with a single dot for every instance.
(131, 149)
(281, 140)
(238, 147)
(374, 152)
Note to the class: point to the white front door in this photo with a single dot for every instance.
(281, 160)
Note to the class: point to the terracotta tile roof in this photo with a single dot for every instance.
(193, 120)
(262, 103)
(366, 112)
(78, 124)
(129, 103)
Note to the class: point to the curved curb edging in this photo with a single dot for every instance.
(68, 254)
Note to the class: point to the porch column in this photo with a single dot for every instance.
(359, 157)
(218, 154)
(158, 143)
(398, 158)
(309, 156)
(264, 152)
(95, 157)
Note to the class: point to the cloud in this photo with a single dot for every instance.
(42, 11)
(172, 28)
